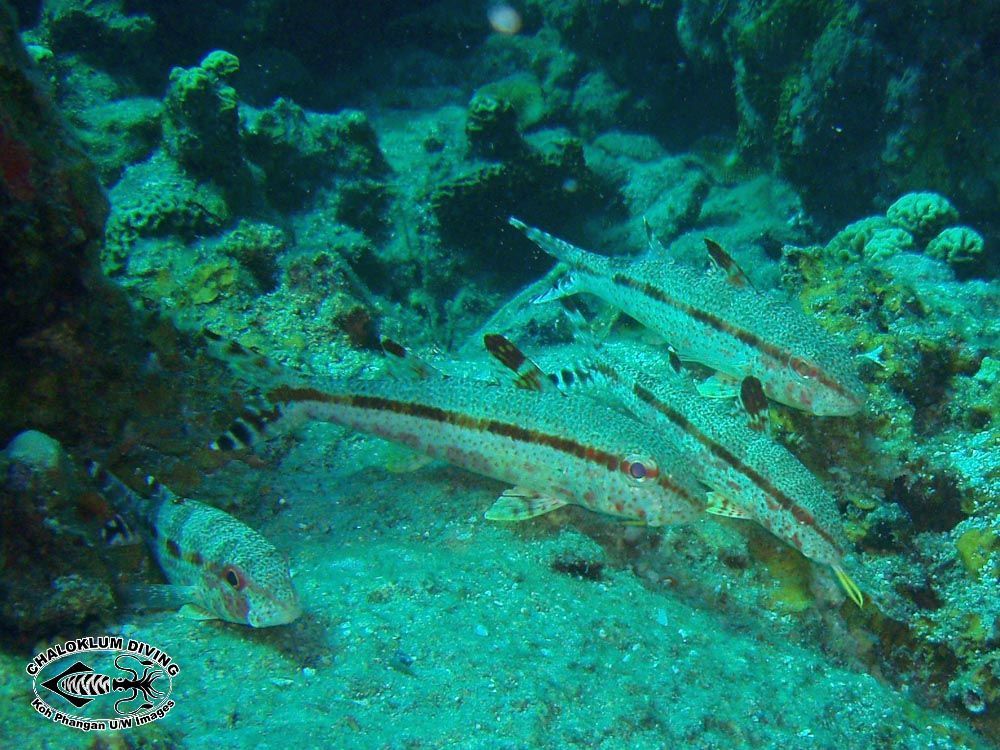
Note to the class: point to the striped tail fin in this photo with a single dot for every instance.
(129, 505)
(255, 426)
(571, 255)
(114, 489)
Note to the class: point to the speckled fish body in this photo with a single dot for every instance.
(570, 450)
(225, 568)
(750, 475)
(732, 329)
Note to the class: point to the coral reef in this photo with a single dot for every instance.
(925, 480)
(300, 152)
(201, 128)
(50, 576)
(53, 208)
(958, 246)
(154, 199)
(346, 171)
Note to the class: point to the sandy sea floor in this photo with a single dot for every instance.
(429, 627)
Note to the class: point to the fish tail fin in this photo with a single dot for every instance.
(120, 495)
(255, 426)
(571, 255)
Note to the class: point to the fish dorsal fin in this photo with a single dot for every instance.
(527, 375)
(724, 261)
(405, 365)
(754, 402)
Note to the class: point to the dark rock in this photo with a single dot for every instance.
(52, 207)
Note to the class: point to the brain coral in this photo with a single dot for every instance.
(959, 246)
(922, 214)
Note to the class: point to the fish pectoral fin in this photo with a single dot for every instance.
(720, 505)
(520, 504)
(719, 386)
(144, 597)
(194, 612)
(399, 459)
(849, 586)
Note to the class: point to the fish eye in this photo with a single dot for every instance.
(233, 578)
(803, 368)
(639, 468)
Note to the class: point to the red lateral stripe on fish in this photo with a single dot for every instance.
(751, 476)
(570, 451)
(734, 330)
(591, 454)
(800, 514)
(747, 337)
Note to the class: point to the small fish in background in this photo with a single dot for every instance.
(718, 320)
(217, 567)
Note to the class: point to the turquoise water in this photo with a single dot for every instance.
(310, 179)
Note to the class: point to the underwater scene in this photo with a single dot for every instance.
(500, 374)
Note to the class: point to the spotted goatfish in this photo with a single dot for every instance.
(556, 451)
(749, 475)
(719, 320)
(221, 568)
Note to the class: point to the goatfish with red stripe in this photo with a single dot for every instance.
(719, 320)
(750, 476)
(554, 450)
(215, 565)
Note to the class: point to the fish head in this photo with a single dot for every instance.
(825, 388)
(253, 586)
(652, 492)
